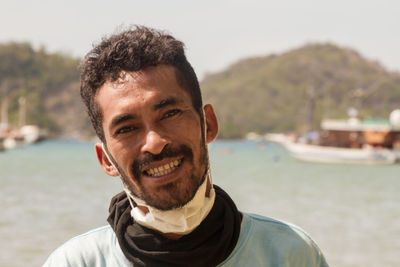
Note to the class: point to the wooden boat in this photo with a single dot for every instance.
(351, 141)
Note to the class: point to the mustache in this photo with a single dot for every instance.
(167, 152)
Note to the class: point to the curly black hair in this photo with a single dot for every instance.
(133, 50)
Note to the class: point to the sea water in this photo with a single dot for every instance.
(52, 191)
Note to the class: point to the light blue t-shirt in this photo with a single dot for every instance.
(262, 242)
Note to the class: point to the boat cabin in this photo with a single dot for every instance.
(355, 133)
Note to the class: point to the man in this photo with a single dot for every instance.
(144, 101)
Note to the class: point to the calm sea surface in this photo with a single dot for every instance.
(53, 191)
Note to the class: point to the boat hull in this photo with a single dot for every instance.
(324, 154)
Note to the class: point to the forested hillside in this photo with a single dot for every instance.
(277, 93)
(50, 84)
(274, 93)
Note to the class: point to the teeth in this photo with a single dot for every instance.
(164, 169)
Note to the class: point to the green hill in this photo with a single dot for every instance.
(273, 93)
(261, 94)
(50, 84)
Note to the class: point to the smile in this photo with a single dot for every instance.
(164, 169)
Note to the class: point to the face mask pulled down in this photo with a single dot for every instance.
(181, 220)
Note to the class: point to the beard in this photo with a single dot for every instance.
(175, 194)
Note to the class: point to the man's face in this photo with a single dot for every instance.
(154, 135)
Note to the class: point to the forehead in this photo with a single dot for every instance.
(161, 77)
(140, 89)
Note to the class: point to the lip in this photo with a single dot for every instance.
(163, 179)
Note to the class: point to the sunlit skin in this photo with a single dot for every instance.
(145, 113)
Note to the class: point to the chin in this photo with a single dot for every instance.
(171, 196)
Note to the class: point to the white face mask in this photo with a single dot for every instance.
(181, 220)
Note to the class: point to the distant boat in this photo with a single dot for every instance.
(351, 141)
(22, 135)
(325, 154)
(26, 135)
(252, 136)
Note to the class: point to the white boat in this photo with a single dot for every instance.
(325, 154)
(351, 141)
(277, 138)
(24, 134)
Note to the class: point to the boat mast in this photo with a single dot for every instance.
(22, 112)
(4, 113)
(310, 108)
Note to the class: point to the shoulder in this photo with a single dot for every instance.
(270, 242)
(98, 247)
(280, 233)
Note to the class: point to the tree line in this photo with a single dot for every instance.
(291, 91)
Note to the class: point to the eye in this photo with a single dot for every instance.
(125, 129)
(171, 113)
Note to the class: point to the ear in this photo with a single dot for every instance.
(105, 163)
(211, 123)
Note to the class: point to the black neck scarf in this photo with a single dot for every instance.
(208, 245)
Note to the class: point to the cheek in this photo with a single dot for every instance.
(189, 128)
(191, 137)
(124, 158)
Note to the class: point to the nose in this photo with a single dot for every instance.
(154, 143)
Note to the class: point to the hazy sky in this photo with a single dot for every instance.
(216, 32)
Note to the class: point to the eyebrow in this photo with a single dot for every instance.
(122, 118)
(126, 117)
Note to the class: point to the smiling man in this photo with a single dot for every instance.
(153, 134)
(144, 101)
